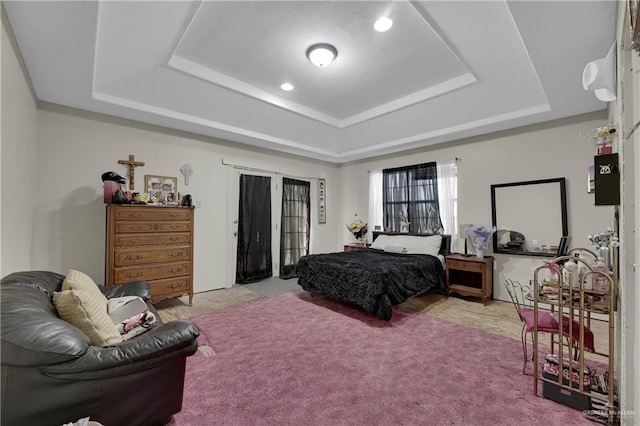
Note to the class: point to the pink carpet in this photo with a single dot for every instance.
(298, 360)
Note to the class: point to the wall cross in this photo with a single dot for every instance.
(132, 164)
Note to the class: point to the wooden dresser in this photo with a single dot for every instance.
(151, 243)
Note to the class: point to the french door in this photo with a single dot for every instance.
(295, 224)
(253, 259)
(270, 225)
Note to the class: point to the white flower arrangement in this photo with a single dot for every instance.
(358, 228)
(603, 136)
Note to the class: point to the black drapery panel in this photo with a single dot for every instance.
(412, 192)
(295, 224)
(254, 230)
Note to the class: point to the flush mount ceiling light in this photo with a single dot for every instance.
(321, 54)
(287, 87)
(383, 24)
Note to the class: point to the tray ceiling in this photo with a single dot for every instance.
(444, 71)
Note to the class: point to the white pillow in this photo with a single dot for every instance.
(413, 243)
(395, 249)
(381, 242)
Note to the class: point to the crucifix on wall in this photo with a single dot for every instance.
(132, 164)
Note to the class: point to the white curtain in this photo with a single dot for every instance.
(375, 201)
(448, 199)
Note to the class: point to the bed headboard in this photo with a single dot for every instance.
(445, 246)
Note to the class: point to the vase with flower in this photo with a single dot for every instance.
(359, 230)
(603, 137)
(480, 237)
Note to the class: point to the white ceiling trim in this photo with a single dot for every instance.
(414, 98)
(435, 137)
(283, 144)
(196, 70)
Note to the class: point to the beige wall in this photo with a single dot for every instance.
(18, 156)
(550, 150)
(76, 147)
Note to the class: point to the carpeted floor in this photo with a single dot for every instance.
(496, 317)
(294, 359)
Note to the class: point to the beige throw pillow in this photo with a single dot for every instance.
(76, 280)
(88, 313)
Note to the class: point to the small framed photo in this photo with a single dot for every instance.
(166, 184)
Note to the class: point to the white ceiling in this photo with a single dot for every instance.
(446, 70)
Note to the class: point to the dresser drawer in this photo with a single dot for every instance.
(128, 227)
(151, 213)
(124, 258)
(465, 265)
(151, 239)
(148, 273)
(170, 286)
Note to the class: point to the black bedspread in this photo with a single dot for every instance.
(372, 279)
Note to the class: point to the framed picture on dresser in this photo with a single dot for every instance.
(160, 183)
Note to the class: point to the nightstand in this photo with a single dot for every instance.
(470, 276)
(354, 247)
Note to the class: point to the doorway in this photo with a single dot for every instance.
(271, 226)
(295, 224)
(253, 257)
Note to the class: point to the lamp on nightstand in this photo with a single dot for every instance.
(463, 238)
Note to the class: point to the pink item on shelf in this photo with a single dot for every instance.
(605, 150)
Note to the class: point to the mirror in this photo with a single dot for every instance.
(530, 217)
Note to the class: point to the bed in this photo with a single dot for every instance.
(394, 268)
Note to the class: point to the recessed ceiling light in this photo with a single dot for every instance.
(383, 24)
(321, 54)
(287, 86)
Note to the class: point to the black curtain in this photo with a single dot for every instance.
(254, 230)
(412, 192)
(295, 224)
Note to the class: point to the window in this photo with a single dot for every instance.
(448, 199)
(410, 194)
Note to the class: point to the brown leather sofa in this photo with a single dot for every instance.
(51, 375)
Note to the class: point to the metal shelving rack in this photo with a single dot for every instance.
(578, 304)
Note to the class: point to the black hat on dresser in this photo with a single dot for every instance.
(113, 176)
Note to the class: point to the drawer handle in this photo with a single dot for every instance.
(173, 227)
(175, 285)
(173, 239)
(134, 257)
(135, 227)
(176, 254)
(134, 215)
(176, 270)
(132, 275)
(156, 226)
